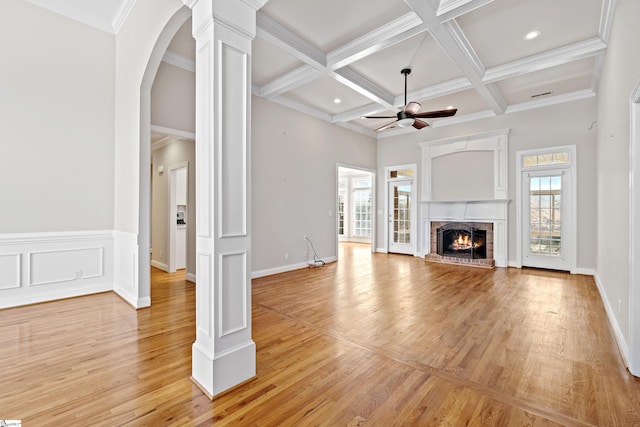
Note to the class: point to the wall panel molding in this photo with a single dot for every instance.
(38, 267)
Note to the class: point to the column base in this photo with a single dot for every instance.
(217, 374)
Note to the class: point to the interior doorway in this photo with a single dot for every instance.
(355, 206)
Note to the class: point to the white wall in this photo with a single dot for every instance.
(294, 161)
(619, 78)
(56, 115)
(176, 152)
(565, 124)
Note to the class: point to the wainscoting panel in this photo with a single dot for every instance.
(63, 265)
(38, 267)
(9, 271)
(126, 268)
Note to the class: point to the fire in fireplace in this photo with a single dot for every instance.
(461, 240)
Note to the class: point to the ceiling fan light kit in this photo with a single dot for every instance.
(410, 115)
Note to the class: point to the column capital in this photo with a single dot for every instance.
(237, 15)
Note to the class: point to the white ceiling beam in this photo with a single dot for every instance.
(453, 41)
(290, 81)
(434, 91)
(355, 81)
(394, 32)
(280, 36)
(450, 9)
(552, 58)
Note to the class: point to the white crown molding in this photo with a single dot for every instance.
(289, 81)
(552, 58)
(173, 132)
(552, 100)
(179, 61)
(301, 108)
(449, 121)
(606, 19)
(121, 14)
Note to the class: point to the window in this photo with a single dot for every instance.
(401, 173)
(361, 207)
(341, 200)
(546, 159)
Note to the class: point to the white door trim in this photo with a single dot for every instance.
(173, 210)
(413, 209)
(634, 229)
(571, 221)
(373, 202)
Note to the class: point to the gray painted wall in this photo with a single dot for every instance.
(294, 182)
(620, 76)
(57, 91)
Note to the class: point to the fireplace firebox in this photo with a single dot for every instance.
(462, 241)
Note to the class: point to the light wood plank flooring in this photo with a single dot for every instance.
(373, 340)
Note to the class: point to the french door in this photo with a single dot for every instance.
(401, 223)
(546, 211)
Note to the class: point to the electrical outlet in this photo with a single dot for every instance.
(286, 255)
(619, 306)
(77, 274)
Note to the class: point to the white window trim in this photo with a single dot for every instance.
(572, 220)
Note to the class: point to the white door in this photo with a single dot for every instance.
(401, 223)
(546, 209)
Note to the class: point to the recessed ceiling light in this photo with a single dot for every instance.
(450, 107)
(532, 35)
(337, 101)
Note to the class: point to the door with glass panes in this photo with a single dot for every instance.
(400, 221)
(546, 209)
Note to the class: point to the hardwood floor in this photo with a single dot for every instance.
(375, 339)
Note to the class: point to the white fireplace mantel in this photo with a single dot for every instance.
(491, 211)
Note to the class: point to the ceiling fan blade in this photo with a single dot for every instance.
(412, 107)
(388, 126)
(378, 117)
(419, 124)
(436, 114)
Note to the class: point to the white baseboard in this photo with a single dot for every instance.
(613, 321)
(162, 266)
(191, 277)
(381, 250)
(285, 268)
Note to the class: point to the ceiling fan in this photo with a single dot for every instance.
(410, 115)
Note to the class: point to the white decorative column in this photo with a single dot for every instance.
(223, 354)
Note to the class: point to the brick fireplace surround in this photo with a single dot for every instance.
(487, 262)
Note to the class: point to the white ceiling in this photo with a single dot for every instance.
(470, 54)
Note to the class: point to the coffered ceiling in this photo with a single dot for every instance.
(469, 54)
